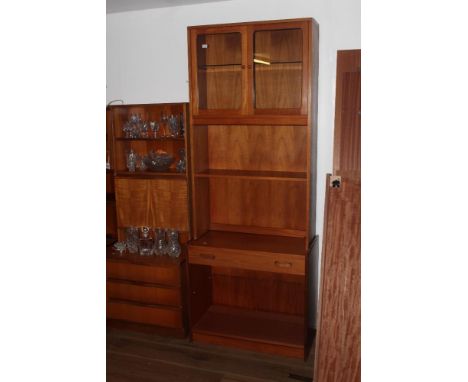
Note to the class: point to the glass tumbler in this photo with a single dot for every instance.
(173, 246)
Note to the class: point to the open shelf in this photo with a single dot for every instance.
(248, 174)
(251, 242)
(252, 326)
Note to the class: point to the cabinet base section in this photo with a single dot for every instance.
(144, 328)
(266, 332)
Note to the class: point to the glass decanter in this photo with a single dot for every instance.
(146, 243)
(173, 246)
(132, 158)
(160, 244)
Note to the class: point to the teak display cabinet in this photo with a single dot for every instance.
(253, 137)
(149, 291)
(255, 70)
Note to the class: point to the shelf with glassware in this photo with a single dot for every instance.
(153, 224)
(149, 140)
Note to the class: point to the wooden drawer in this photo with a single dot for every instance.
(257, 261)
(143, 273)
(152, 315)
(143, 293)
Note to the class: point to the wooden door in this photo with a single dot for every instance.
(218, 75)
(279, 66)
(338, 343)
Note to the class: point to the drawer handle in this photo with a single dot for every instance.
(207, 256)
(283, 264)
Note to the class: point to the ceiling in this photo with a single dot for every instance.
(114, 6)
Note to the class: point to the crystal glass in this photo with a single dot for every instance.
(120, 246)
(154, 126)
(133, 239)
(173, 126)
(173, 246)
(132, 158)
(180, 165)
(127, 129)
(146, 242)
(144, 126)
(160, 245)
(163, 121)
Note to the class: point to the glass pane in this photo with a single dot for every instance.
(278, 69)
(219, 59)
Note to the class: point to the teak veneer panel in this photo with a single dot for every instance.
(347, 137)
(262, 291)
(143, 293)
(256, 148)
(153, 315)
(258, 203)
(152, 202)
(268, 262)
(338, 350)
(122, 270)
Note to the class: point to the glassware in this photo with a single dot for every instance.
(133, 239)
(154, 126)
(132, 158)
(180, 166)
(160, 245)
(173, 246)
(163, 122)
(146, 243)
(120, 246)
(173, 126)
(127, 129)
(141, 164)
(144, 129)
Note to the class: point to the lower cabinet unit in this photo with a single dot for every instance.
(249, 291)
(147, 291)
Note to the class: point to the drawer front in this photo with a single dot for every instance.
(143, 273)
(166, 317)
(146, 294)
(268, 262)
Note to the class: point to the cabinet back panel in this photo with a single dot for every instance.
(262, 148)
(258, 203)
(264, 291)
(220, 87)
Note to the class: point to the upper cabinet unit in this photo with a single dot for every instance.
(251, 72)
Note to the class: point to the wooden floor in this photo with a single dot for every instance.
(141, 357)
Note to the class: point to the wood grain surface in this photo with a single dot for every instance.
(339, 330)
(347, 144)
(338, 350)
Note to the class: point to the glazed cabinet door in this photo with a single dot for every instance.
(218, 72)
(279, 67)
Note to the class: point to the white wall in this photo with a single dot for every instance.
(147, 55)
